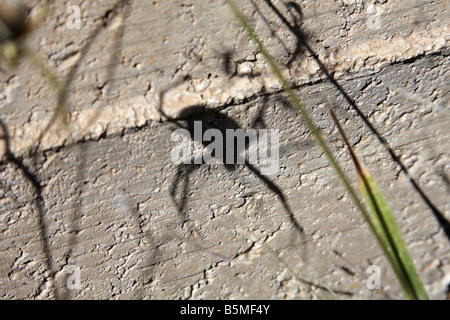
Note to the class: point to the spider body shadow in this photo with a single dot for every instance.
(213, 119)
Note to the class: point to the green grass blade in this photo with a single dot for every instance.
(384, 221)
(386, 227)
(394, 250)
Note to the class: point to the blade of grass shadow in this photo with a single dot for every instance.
(287, 88)
(294, 100)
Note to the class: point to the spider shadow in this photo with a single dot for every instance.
(197, 117)
(302, 47)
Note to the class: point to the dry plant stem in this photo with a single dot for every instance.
(61, 111)
(17, 51)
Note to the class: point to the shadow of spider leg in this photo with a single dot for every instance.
(202, 128)
(180, 188)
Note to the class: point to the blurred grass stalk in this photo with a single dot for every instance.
(381, 220)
